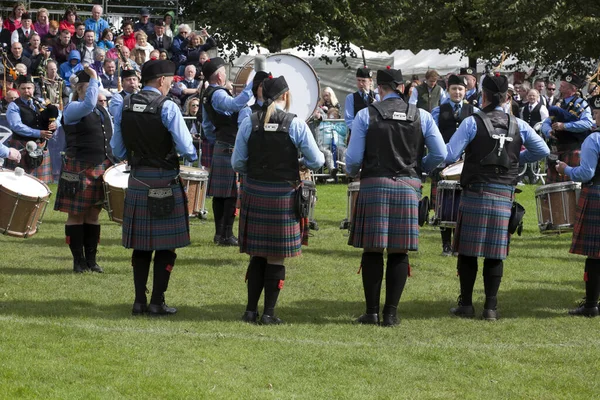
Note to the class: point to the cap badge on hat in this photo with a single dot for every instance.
(597, 102)
(568, 78)
(469, 71)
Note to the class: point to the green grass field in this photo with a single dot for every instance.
(72, 336)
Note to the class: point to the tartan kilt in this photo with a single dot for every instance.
(572, 158)
(586, 233)
(43, 172)
(482, 223)
(91, 193)
(268, 223)
(142, 231)
(207, 153)
(222, 181)
(387, 214)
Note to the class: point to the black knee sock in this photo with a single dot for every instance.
(164, 260)
(229, 216)
(274, 279)
(74, 238)
(255, 278)
(395, 278)
(592, 282)
(446, 236)
(372, 275)
(218, 203)
(91, 239)
(467, 274)
(140, 261)
(492, 276)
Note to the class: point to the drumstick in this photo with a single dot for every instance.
(343, 164)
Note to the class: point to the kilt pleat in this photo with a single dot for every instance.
(386, 214)
(91, 193)
(142, 231)
(43, 172)
(586, 233)
(571, 158)
(222, 181)
(268, 223)
(482, 224)
(207, 153)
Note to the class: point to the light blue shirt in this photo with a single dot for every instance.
(590, 149)
(224, 104)
(414, 97)
(172, 120)
(435, 113)
(300, 134)
(536, 148)
(13, 115)
(356, 147)
(4, 151)
(585, 122)
(116, 102)
(97, 26)
(246, 112)
(349, 108)
(76, 110)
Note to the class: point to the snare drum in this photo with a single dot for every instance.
(556, 206)
(446, 203)
(23, 202)
(195, 181)
(453, 172)
(116, 180)
(353, 189)
(312, 190)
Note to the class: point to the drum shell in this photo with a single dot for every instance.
(453, 172)
(557, 206)
(353, 189)
(115, 196)
(195, 182)
(447, 203)
(20, 216)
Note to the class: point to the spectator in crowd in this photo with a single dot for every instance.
(190, 109)
(64, 46)
(540, 85)
(170, 26)
(5, 35)
(87, 48)
(327, 102)
(164, 55)
(428, 94)
(69, 68)
(11, 95)
(36, 53)
(16, 55)
(511, 106)
(52, 36)
(551, 93)
(106, 40)
(189, 85)
(415, 80)
(128, 35)
(141, 52)
(203, 57)
(68, 21)
(78, 38)
(98, 64)
(23, 33)
(129, 60)
(409, 88)
(154, 54)
(96, 23)
(55, 90)
(42, 23)
(522, 89)
(113, 53)
(13, 22)
(144, 23)
(180, 43)
(158, 39)
(109, 77)
(197, 43)
(534, 111)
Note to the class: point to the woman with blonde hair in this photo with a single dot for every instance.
(42, 23)
(141, 52)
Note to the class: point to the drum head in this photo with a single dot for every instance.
(116, 176)
(193, 173)
(25, 184)
(557, 187)
(301, 79)
(449, 185)
(453, 171)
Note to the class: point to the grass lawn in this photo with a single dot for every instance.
(72, 336)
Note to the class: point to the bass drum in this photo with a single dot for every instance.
(300, 77)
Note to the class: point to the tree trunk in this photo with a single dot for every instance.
(473, 63)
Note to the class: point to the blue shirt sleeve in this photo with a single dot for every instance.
(414, 97)
(435, 114)
(356, 147)
(590, 150)
(436, 148)
(227, 105)
(116, 102)
(76, 110)
(116, 142)
(244, 113)
(3, 151)
(584, 123)
(239, 158)
(461, 138)
(207, 127)
(173, 120)
(304, 140)
(15, 123)
(535, 147)
(349, 110)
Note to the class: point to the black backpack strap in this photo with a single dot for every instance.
(486, 122)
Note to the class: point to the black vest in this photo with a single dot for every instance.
(359, 101)
(22, 39)
(534, 116)
(28, 117)
(272, 156)
(474, 98)
(148, 142)
(89, 139)
(482, 163)
(225, 125)
(255, 107)
(394, 143)
(448, 123)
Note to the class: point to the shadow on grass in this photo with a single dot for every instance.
(36, 271)
(60, 241)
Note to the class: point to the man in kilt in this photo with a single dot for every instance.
(492, 140)
(88, 131)
(388, 142)
(220, 117)
(150, 131)
(586, 235)
(570, 122)
(448, 117)
(266, 150)
(24, 120)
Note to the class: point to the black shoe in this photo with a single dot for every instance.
(584, 311)
(216, 239)
(489, 315)
(390, 320)
(463, 311)
(79, 267)
(139, 308)
(270, 320)
(230, 241)
(95, 268)
(250, 316)
(368, 319)
(447, 250)
(160, 309)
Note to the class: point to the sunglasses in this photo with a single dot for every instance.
(102, 101)
(194, 105)
(551, 89)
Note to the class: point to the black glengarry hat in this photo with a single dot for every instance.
(457, 80)
(156, 68)
(573, 79)
(495, 83)
(259, 77)
(21, 79)
(273, 88)
(594, 102)
(389, 75)
(468, 71)
(364, 72)
(211, 65)
(126, 73)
